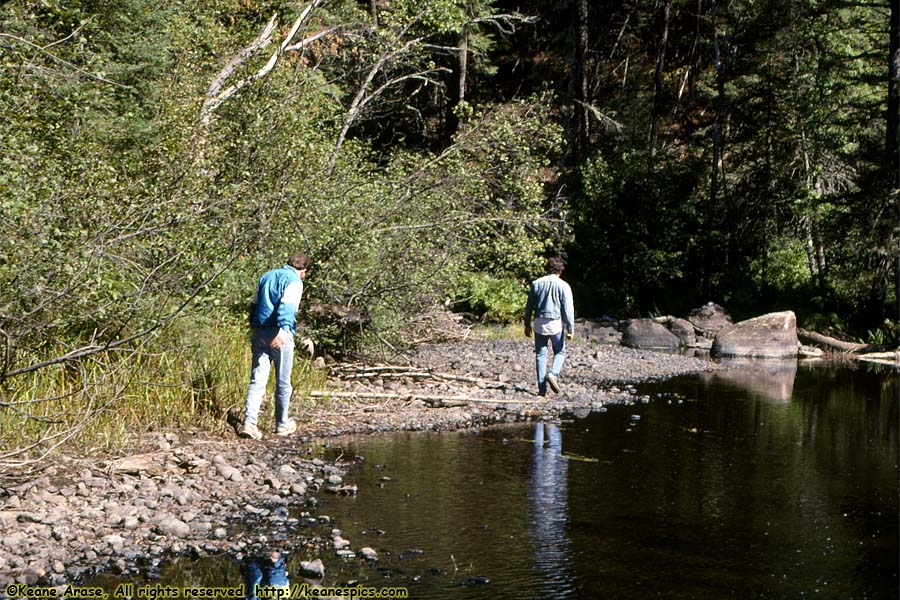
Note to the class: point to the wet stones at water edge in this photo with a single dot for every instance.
(187, 499)
(186, 495)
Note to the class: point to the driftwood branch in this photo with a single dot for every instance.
(357, 372)
(432, 400)
(833, 343)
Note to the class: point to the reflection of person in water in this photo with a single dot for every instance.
(264, 574)
(549, 481)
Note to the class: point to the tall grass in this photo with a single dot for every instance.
(187, 377)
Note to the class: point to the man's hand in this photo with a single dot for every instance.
(570, 336)
(527, 330)
(279, 339)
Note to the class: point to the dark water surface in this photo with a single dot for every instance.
(771, 481)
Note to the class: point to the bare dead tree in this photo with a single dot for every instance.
(367, 94)
(398, 50)
(217, 92)
(657, 83)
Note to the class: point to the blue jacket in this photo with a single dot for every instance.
(277, 299)
(551, 298)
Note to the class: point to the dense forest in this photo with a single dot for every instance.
(158, 155)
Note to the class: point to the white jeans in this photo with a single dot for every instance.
(263, 357)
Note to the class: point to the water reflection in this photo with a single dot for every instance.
(769, 379)
(776, 482)
(265, 575)
(550, 507)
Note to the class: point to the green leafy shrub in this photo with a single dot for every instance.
(491, 299)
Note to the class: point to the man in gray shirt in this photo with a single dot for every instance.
(550, 301)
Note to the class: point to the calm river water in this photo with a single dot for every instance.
(771, 481)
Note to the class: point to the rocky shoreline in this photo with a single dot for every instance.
(189, 495)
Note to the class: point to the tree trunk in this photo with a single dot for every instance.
(888, 257)
(463, 65)
(458, 84)
(811, 261)
(373, 6)
(582, 83)
(657, 83)
(717, 157)
(892, 146)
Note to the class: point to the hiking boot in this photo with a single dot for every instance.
(553, 383)
(286, 429)
(249, 430)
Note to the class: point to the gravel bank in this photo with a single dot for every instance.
(450, 386)
(190, 495)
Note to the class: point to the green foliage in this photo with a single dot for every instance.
(887, 336)
(495, 300)
(438, 16)
(503, 166)
(785, 267)
(635, 233)
(122, 210)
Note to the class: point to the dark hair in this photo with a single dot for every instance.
(300, 261)
(555, 265)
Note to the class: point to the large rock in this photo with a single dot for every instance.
(601, 331)
(680, 328)
(710, 318)
(647, 333)
(773, 335)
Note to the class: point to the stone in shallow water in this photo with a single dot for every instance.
(368, 554)
(313, 568)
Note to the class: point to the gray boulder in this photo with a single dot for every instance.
(647, 334)
(680, 328)
(600, 331)
(772, 335)
(710, 318)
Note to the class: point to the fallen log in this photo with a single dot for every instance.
(350, 372)
(824, 340)
(436, 401)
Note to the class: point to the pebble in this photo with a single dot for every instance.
(173, 527)
(314, 569)
(368, 554)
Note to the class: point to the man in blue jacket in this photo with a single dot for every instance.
(273, 314)
(550, 301)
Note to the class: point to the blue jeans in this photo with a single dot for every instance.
(263, 357)
(558, 342)
(265, 572)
